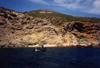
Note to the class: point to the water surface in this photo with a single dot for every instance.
(70, 57)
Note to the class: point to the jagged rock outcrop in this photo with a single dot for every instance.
(87, 34)
(19, 30)
(45, 11)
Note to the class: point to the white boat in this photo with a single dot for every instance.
(41, 48)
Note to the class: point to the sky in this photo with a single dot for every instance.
(85, 8)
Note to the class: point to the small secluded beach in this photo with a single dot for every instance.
(44, 45)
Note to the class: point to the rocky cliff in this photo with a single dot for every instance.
(19, 30)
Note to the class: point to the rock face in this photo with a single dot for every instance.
(45, 11)
(19, 30)
(86, 34)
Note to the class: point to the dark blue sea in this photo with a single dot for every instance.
(70, 57)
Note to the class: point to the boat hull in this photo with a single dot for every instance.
(40, 49)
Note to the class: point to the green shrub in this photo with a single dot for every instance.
(81, 36)
(62, 18)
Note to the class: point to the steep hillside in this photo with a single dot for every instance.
(58, 19)
(19, 30)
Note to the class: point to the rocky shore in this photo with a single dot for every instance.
(5, 45)
(19, 30)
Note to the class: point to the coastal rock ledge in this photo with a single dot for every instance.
(21, 30)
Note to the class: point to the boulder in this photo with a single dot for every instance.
(2, 45)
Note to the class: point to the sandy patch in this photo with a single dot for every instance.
(44, 46)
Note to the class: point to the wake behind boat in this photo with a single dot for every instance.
(40, 48)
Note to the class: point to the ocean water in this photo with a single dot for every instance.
(70, 57)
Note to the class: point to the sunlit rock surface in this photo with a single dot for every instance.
(19, 30)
